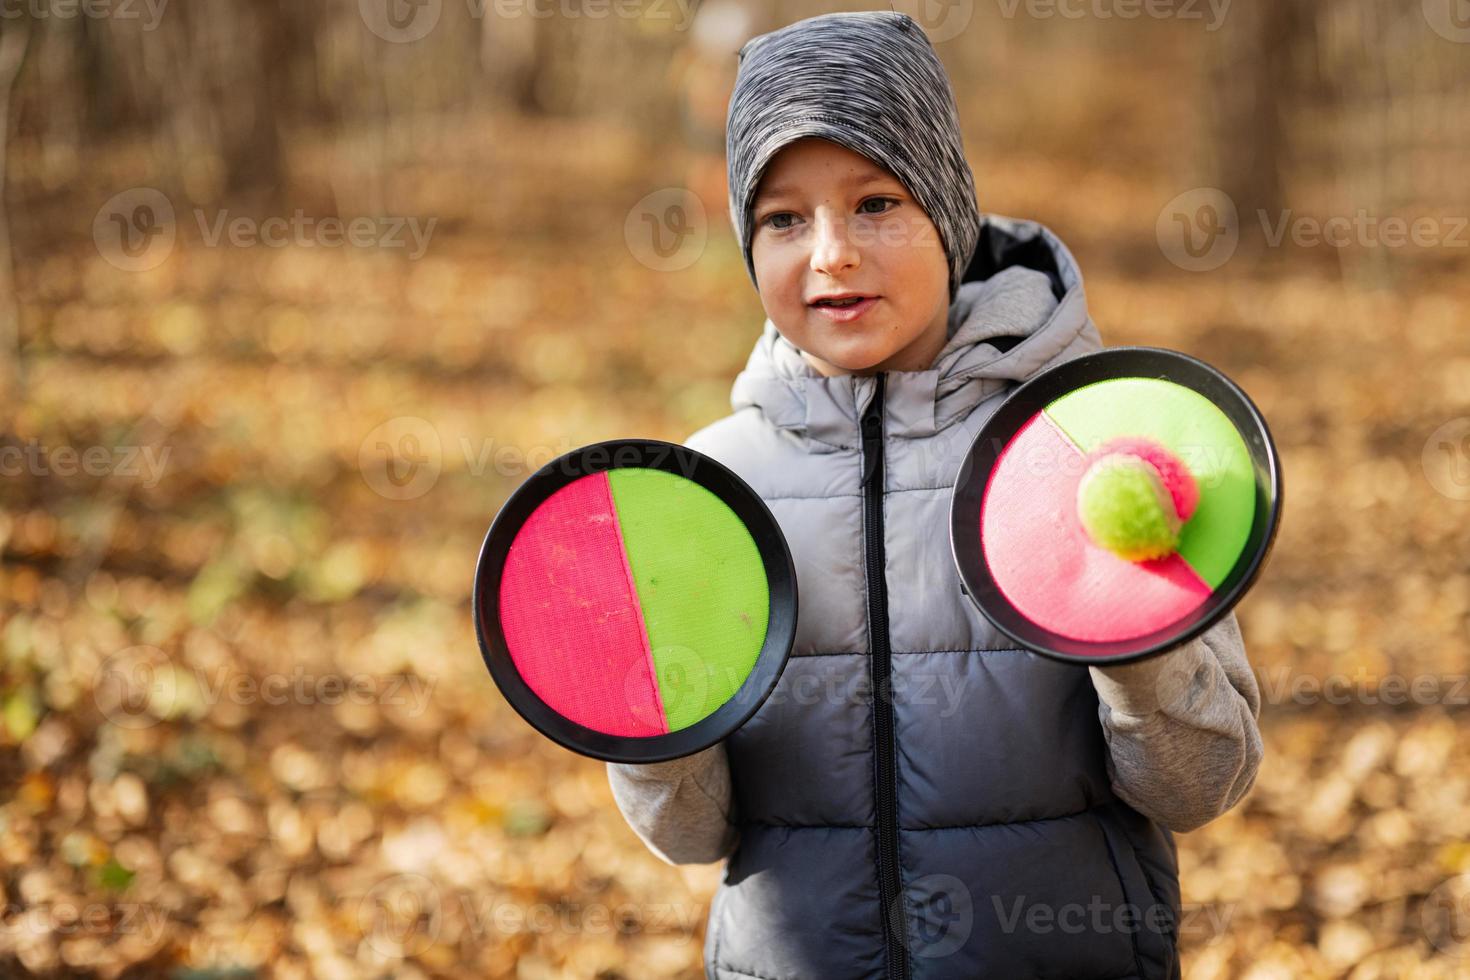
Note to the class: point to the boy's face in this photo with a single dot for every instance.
(829, 220)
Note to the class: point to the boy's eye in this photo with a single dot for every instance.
(773, 220)
(878, 200)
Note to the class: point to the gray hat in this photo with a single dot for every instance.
(871, 82)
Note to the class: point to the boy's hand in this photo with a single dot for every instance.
(1143, 686)
(1183, 742)
(680, 808)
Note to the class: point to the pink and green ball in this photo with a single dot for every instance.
(1135, 497)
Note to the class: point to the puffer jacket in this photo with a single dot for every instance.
(980, 816)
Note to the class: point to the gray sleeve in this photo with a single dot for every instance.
(1183, 743)
(681, 808)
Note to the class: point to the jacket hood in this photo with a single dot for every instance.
(1020, 308)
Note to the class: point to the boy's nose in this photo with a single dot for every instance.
(833, 249)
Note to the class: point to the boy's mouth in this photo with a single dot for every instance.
(843, 307)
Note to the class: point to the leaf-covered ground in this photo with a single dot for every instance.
(246, 728)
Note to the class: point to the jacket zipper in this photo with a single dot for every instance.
(885, 782)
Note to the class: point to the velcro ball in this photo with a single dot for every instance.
(1135, 497)
(1178, 480)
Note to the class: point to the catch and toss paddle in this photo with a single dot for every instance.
(635, 601)
(1116, 505)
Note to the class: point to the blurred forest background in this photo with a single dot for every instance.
(292, 295)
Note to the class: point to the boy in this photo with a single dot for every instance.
(918, 798)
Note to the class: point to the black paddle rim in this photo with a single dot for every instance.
(747, 506)
(1034, 395)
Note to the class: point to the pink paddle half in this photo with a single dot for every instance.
(571, 615)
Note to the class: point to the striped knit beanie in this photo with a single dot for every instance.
(871, 82)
